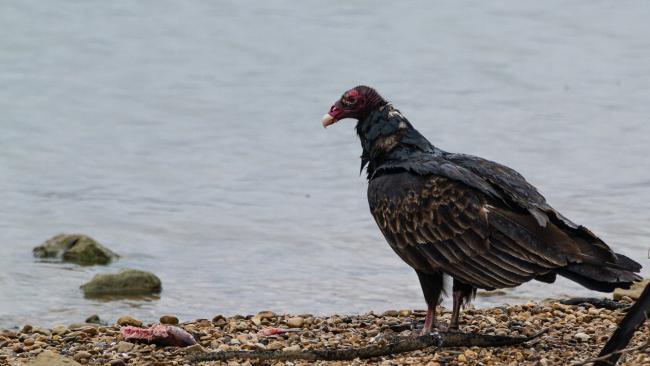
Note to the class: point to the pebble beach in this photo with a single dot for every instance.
(574, 334)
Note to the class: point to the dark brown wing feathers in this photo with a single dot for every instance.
(439, 224)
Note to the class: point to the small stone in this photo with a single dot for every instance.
(293, 348)
(117, 362)
(42, 331)
(405, 312)
(462, 358)
(582, 337)
(543, 362)
(92, 331)
(256, 320)
(559, 306)
(28, 342)
(127, 320)
(49, 358)
(218, 319)
(266, 314)
(469, 354)
(169, 320)
(523, 316)
(242, 338)
(626, 300)
(197, 348)
(295, 322)
(75, 326)
(81, 355)
(275, 345)
(26, 329)
(8, 333)
(124, 347)
(94, 319)
(390, 313)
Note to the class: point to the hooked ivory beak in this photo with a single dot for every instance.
(327, 120)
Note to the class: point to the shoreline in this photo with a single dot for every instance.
(574, 333)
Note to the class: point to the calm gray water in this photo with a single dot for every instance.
(186, 137)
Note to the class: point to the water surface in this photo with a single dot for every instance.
(186, 137)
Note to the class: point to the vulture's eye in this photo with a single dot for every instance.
(348, 102)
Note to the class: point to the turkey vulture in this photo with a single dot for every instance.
(466, 217)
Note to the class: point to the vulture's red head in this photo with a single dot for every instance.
(355, 103)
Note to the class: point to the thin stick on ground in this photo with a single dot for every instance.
(398, 345)
(599, 303)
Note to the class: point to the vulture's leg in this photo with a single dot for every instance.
(462, 294)
(431, 288)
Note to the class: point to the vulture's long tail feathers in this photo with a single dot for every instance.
(602, 278)
(587, 259)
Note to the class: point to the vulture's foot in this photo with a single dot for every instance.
(436, 327)
(453, 327)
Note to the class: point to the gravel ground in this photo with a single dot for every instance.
(574, 334)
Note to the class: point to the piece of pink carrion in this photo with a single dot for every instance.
(161, 335)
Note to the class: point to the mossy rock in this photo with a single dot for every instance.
(76, 248)
(124, 283)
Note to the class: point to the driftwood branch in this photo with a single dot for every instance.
(599, 303)
(396, 346)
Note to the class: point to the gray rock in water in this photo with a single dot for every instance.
(75, 248)
(126, 282)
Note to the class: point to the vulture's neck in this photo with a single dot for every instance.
(388, 137)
